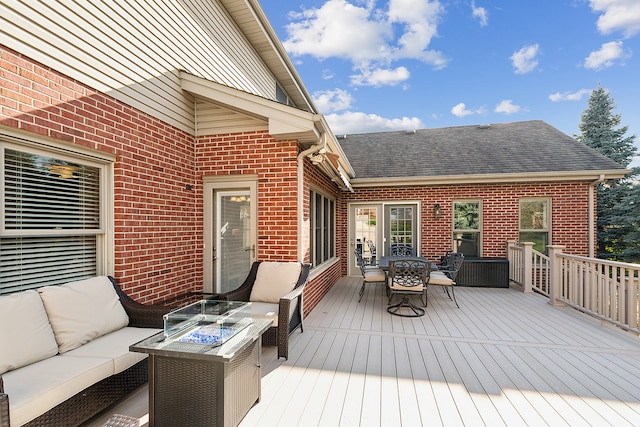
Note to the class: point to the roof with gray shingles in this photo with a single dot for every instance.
(518, 147)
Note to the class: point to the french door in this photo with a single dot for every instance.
(229, 233)
(374, 227)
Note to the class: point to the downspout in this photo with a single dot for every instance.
(301, 156)
(592, 214)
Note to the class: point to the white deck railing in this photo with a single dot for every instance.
(607, 290)
(528, 268)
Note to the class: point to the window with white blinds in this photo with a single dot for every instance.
(51, 220)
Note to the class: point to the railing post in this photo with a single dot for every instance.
(527, 265)
(555, 273)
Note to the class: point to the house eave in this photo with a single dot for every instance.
(490, 179)
(284, 122)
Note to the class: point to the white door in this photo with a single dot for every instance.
(229, 233)
(365, 234)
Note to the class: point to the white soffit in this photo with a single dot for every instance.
(285, 122)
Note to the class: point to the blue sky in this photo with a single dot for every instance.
(411, 64)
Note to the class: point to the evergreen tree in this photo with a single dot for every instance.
(618, 225)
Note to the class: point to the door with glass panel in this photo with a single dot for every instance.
(401, 226)
(365, 234)
(230, 235)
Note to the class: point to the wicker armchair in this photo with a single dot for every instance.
(289, 308)
(99, 396)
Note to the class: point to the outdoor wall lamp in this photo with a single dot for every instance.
(437, 211)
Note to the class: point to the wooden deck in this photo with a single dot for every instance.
(503, 358)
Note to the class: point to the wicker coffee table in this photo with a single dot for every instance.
(192, 387)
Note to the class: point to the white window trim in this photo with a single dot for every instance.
(31, 143)
(480, 223)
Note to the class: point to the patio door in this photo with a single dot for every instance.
(229, 233)
(401, 226)
(365, 233)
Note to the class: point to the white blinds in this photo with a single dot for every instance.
(51, 220)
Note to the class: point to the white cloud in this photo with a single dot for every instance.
(569, 96)
(380, 77)
(369, 37)
(525, 60)
(460, 110)
(618, 15)
(606, 57)
(329, 101)
(420, 20)
(507, 107)
(480, 13)
(357, 122)
(338, 29)
(327, 74)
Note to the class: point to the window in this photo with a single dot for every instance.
(534, 223)
(323, 225)
(466, 228)
(52, 228)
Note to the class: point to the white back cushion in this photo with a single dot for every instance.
(274, 280)
(83, 310)
(25, 333)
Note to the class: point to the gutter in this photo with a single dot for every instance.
(300, 169)
(592, 214)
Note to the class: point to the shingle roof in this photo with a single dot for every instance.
(518, 147)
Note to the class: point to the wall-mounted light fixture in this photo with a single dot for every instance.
(437, 211)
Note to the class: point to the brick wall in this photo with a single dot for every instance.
(500, 204)
(275, 164)
(156, 222)
(320, 282)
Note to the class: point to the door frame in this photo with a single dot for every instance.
(381, 230)
(211, 184)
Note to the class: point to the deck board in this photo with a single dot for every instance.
(504, 358)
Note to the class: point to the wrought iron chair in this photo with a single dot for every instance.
(408, 277)
(445, 260)
(446, 277)
(372, 251)
(370, 274)
(402, 250)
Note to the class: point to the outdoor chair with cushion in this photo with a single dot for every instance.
(408, 277)
(275, 291)
(445, 260)
(402, 250)
(446, 277)
(370, 273)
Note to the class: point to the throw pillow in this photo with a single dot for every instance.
(25, 336)
(83, 310)
(274, 280)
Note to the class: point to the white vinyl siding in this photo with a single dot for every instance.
(134, 50)
(216, 120)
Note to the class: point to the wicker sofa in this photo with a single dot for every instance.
(66, 351)
(275, 291)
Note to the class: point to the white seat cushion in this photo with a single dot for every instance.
(115, 346)
(25, 333)
(35, 389)
(266, 310)
(83, 310)
(274, 280)
(377, 275)
(439, 278)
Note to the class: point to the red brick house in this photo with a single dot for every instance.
(172, 146)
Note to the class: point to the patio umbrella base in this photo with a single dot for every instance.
(405, 308)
